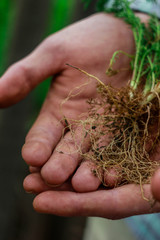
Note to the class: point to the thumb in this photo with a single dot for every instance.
(155, 185)
(23, 76)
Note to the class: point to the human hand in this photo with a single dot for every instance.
(91, 50)
(88, 44)
(116, 203)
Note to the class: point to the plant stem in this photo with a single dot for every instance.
(135, 80)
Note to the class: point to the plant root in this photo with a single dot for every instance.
(124, 134)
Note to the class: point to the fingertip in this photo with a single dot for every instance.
(35, 153)
(112, 177)
(57, 203)
(53, 174)
(45, 202)
(84, 179)
(38, 204)
(86, 185)
(27, 183)
(15, 84)
(34, 183)
(21, 77)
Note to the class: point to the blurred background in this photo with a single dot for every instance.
(23, 25)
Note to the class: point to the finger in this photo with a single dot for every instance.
(41, 139)
(66, 157)
(34, 183)
(155, 185)
(85, 178)
(88, 176)
(22, 77)
(112, 177)
(117, 203)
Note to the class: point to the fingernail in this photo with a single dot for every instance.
(29, 192)
(53, 185)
